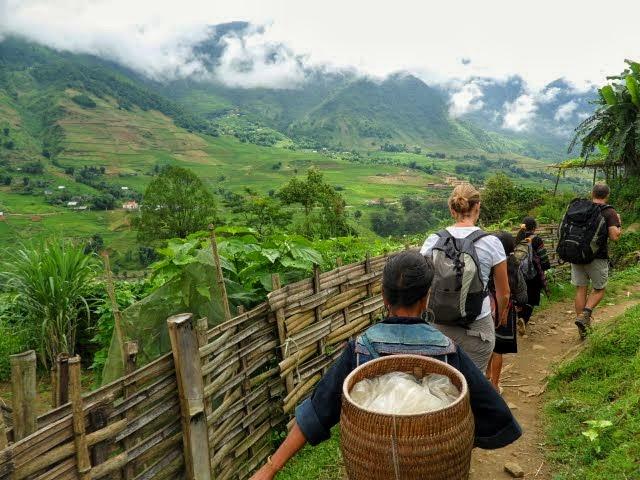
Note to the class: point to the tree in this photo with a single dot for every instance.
(175, 204)
(52, 281)
(104, 202)
(314, 192)
(498, 194)
(265, 214)
(615, 125)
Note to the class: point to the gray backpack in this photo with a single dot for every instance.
(457, 292)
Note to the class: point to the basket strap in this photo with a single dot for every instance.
(394, 450)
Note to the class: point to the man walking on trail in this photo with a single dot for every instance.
(590, 225)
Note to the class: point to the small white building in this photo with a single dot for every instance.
(131, 205)
(124, 188)
(72, 204)
(61, 187)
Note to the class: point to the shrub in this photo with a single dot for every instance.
(84, 101)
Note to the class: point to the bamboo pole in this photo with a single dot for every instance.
(219, 274)
(186, 358)
(282, 333)
(555, 189)
(23, 385)
(117, 315)
(83, 463)
(202, 325)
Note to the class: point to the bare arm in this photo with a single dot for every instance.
(614, 233)
(501, 282)
(295, 441)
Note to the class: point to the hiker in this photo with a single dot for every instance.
(464, 258)
(534, 262)
(406, 280)
(506, 336)
(584, 233)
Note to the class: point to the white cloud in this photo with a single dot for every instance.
(548, 95)
(519, 113)
(467, 99)
(253, 60)
(565, 111)
(376, 38)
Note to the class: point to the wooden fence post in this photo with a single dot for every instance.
(83, 463)
(186, 358)
(282, 333)
(318, 310)
(130, 364)
(367, 269)
(23, 384)
(3, 433)
(62, 379)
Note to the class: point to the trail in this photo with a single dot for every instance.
(551, 337)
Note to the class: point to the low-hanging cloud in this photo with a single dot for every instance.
(251, 60)
(565, 111)
(519, 113)
(466, 100)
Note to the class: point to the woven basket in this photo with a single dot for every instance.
(434, 446)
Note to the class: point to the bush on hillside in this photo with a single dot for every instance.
(84, 101)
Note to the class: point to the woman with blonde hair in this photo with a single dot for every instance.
(465, 259)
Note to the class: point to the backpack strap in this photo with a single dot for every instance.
(444, 233)
(473, 237)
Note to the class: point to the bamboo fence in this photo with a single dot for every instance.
(209, 408)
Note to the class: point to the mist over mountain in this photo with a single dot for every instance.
(235, 69)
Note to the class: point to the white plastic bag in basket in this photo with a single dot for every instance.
(402, 394)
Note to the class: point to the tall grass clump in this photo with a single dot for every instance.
(51, 281)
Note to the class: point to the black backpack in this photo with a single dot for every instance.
(457, 292)
(583, 232)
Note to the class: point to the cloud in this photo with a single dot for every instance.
(565, 111)
(519, 113)
(252, 60)
(548, 95)
(376, 38)
(466, 100)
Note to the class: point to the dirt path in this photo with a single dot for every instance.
(551, 337)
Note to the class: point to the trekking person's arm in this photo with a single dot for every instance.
(501, 282)
(315, 416)
(292, 444)
(614, 233)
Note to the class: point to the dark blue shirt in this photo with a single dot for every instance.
(495, 426)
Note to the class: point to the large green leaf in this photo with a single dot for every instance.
(634, 91)
(609, 95)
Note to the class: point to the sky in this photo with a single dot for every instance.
(441, 42)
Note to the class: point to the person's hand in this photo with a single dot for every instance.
(503, 321)
(267, 472)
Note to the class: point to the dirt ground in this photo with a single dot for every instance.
(551, 338)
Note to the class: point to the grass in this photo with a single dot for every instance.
(592, 419)
(322, 462)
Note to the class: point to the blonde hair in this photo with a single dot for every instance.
(463, 199)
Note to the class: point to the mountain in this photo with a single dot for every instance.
(545, 117)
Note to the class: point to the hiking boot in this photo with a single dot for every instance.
(522, 327)
(583, 322)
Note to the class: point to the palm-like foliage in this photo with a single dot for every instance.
(51, 281)
(615, 125)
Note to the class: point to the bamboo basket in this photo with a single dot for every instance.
(435, 445)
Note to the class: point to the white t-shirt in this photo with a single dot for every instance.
(489, 250)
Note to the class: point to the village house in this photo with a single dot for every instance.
(131, 205)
